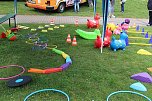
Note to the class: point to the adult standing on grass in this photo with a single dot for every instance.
(76, 5)
(149, 6)
(112, 8)
(90, 3)
(122, 2)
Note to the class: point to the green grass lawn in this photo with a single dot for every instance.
(133, 9)
(92, 76)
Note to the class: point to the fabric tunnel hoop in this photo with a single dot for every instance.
(117, 92)
(11, 77)
(43, 90)
(57, 69)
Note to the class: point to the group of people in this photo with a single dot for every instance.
(76, 5)
(111, 8)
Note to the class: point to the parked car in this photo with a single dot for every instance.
(51, 5)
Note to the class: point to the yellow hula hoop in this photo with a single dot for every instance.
(138, 38)
(55, 46)
(136, 32)
(29, 42)
(141, 44)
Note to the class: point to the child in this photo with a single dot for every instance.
(122, 2)
(76, 5)
(149, 6)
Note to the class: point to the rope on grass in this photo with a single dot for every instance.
(11, 77)
(117, 92)
(43, 90)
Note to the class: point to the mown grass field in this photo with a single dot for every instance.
(133, 9)
(91, 77)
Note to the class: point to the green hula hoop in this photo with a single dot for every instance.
(117, 92)
(43, 90)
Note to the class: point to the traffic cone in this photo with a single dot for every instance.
(52, 21)
(68, 39)
(74, 42)
(76, 22)
(134, 25)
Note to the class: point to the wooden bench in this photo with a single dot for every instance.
(8, 17)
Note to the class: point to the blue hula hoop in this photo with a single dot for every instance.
(128, 92)
(43, 90)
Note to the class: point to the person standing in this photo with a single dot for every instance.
(112, 8)
(122, 2)
(109, 9)
(90, 3)
(76, 5)
(149, 6)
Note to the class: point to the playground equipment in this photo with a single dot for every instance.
(93, 23)
(98, 42)
(19, 81)
(43, 90)
(57, 69)
(125, 26)
(8, 34)
(117, 92)
(150, 69)
(10, 15)
(74, 41)
(142, 77)
(51, 5)
(143, 52)
(138, 86)
(111, 26)
(127, 21)
(140, 44)
(68, 40)
(107, 38)
(88, 35)
(76, 22)
(119, 44)
(11, 77)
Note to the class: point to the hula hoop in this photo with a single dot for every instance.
(43, 90)
(54, 46)
(117, 92)
(23, 70)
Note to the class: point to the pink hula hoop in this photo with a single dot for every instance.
(23, 70)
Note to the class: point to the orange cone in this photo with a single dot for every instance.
(74, 42)
(68, 39)
(76, 22)
(52, 21)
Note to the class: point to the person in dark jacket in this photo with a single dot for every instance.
(149, 6)
(76, 5)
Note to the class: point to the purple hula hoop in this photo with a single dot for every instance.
(23, 70)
